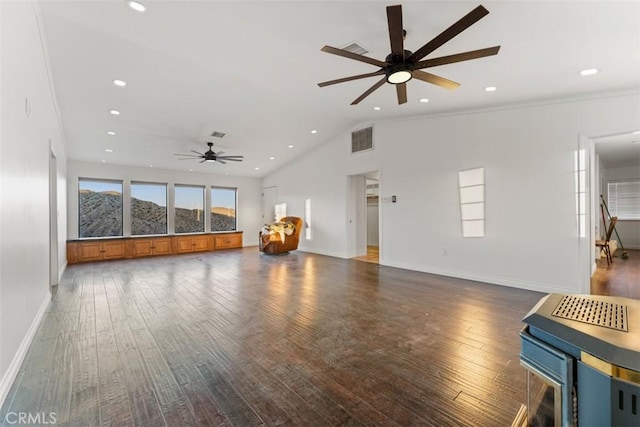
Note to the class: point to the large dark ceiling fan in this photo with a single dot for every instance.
(402, 65)
(210, 156)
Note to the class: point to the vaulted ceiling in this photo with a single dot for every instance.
(250, 69)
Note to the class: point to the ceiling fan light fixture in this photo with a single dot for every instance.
(399, 73)
(210, 160)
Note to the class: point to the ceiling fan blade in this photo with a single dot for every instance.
(401, 90)
(230, 157)
(351, 55)
(436, 80)
(348, 79)
(231, 160)
(462, 24)
(459, 57)
(369, 91)
(219, 153)
(190, 158)
(185, 155)
(221, 161)
(197, 152)
(202, 161)
(396, 36)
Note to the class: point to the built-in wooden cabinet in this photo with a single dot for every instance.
(151, 246)
(137, 247)
(193, 243)
(97, 250)
(228, 241)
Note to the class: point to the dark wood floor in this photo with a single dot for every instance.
(621, 278)
(245, 339)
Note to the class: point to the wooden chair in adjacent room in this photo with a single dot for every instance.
(603, 245)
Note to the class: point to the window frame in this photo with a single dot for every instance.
(175, 207)
(166, 188)
(480, 203)
(101, 180)
(235, 208)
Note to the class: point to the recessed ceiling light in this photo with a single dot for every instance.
(120, 83)
(424, 100)
(150, 166)
(636, 132)
(190, 170)
(111, 132)
(377, 108)
(314, 131)
(490, 89)
(114, 112)
(589, 72)
(272, 158)
(257, 169)
(290, 146)
(104, 161)
(108, 150)
(137, 6)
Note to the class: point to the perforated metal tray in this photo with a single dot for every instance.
(594, 312)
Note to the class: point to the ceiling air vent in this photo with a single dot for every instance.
(362, 140)
(354, 47)
(217, 134)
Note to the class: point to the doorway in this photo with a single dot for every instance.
(53, 220)
(269, 200)
(364, 217)
(615, 163)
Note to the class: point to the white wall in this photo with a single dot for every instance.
(249, 191)
(25, 143)
(528, 156)
(629, 231)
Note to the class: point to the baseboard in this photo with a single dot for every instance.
(501, 281)
(61, 271)
(16, 363)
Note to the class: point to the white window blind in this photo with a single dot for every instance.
(624, 199)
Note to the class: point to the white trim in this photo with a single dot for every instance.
(16, 363)
(493, 280)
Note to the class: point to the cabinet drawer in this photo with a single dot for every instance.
(113, 250)
(142, 248)
(90, 252)
(162, 246)
(227, 242)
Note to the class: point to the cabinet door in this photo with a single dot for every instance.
(185, 244)
(200, 243)
(113, 250)
(89, 251)
(162, 246)
(142, 248)
(229, 241)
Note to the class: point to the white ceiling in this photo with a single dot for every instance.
(250, 70)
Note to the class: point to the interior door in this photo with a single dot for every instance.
(269, 200)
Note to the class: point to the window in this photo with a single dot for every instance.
(223, 209)
(280, 210)
(581, 191)
(99, 208)
(189, 209)
(624, 199)
(471, 187)
(148, 208)
(307, 219)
